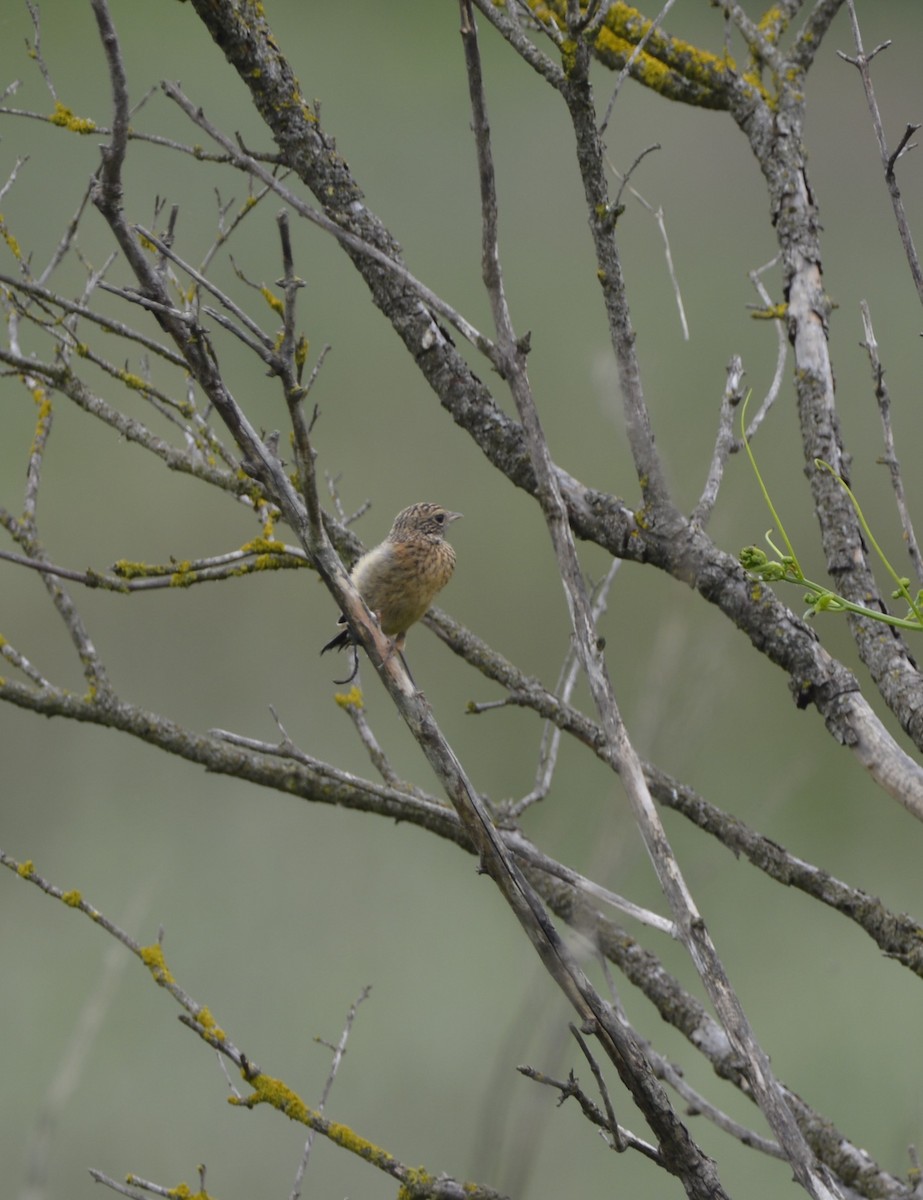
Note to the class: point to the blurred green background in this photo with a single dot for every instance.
(277, 913)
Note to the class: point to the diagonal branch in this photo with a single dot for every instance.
(265, 1089)
(685, 1159)
(305, 148)
(770, 1097)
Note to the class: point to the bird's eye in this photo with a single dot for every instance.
(440, 518)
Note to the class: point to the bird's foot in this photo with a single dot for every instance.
(354, 672)
(395, 646)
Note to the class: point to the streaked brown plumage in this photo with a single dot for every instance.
(399, 578)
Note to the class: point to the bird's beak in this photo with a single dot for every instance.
(450, 517)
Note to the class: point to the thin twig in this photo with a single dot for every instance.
(700, 1105)
(84, 1035)
(551, 733)
(115, 1185)
(778, 375)
(890, 459)
(289, 370)
(352, 704)
(618, 1142)
(35, 50)
(659, 217)
(757, 42)
(130, 577)
(190, 461)
(226, 230)
(18, 660)
(862, 62)
(12, 177)
(626, 70)
(25, 530)
(696, 939)
(587, 640)
(248, 163)
(338, 1052)
(724, 441)
(506, 21)
(110, 325)
(260, 342)
(264, 1089)
(570, 1089)
(66, 241)
(528, 854)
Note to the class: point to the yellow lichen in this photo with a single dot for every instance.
(263, 545)
(774, 313)
(72, 899)
(63, 116)
(125, 569)
(272, 300)
(267, 1090)
(350, 699)
(184, 575)
(10, 240)
(135, 382)
(212, 1030)
(152, 957)
(183, 1191)
(343, 1136)
(418, 1179)
(43, 421)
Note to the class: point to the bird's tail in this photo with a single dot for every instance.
(339, 642)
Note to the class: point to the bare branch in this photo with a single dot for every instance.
(265, 1090)
(246, 162)
(259, 342)
(724, 442)
(890, 459)
(338, 1052)
(692, 928)
(570, 1088)
(619, 1141)
(510, 29)
(626, 70)
(551, 733)
(658, 215)
(54, 353)
(862, 63)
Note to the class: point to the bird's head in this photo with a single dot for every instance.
(430, 520)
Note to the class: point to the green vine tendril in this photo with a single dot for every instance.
(787, 569)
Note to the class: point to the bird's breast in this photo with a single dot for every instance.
(398, 580)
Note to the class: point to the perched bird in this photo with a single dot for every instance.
(399, 579)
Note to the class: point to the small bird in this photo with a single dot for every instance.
(399, 579)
